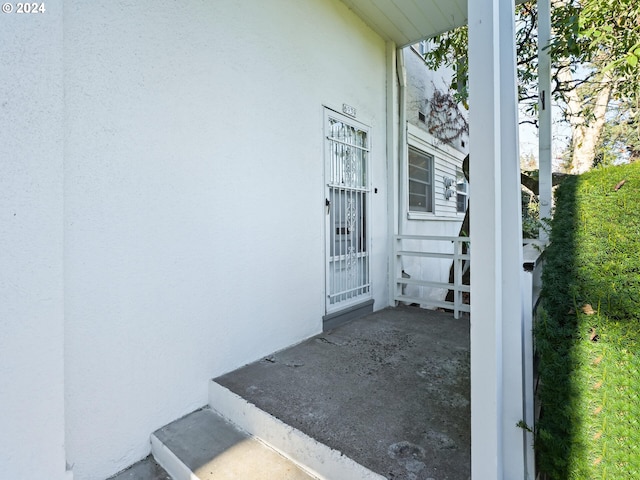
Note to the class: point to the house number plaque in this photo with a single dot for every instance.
(349, 110)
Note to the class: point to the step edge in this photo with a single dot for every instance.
(316, 458)
(168, 460)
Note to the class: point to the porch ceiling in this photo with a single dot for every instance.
(408, 21)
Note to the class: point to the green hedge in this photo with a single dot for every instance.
(588, 333)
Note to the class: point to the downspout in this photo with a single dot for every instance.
(392, 168)
(396, 152)
(402, 137)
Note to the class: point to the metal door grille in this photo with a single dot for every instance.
(347, 203)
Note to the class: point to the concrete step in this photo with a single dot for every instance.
(205, 446)
(145, 469)
(321, 461)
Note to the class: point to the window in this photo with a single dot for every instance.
(462, 191)
(420, 181)
(434, 187)
(422, 47)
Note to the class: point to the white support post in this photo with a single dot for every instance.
(497, 444)
(514, 438)
(485, 235)
(544, 120)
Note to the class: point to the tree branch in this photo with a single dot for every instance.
(533, 184)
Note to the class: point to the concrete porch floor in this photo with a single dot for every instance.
(389, 390)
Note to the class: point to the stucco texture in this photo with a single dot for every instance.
(194, 199)
(31, 236)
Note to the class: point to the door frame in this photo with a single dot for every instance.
(349, 304)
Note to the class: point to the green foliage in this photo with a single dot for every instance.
(590, 37)
(605, 37)
(606, 33)
(586, 32)
(588, 334)
(621, 134)
(530, 215)
(450, 48)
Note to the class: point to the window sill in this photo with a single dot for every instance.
(434, 217)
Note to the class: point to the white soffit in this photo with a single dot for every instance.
(406, 22)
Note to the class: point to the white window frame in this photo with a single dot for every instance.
(429, 183)
(422, 141)
(461, 181)
(422, 47)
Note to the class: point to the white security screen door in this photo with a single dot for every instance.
(347, 191)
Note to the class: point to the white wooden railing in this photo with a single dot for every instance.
(426, 250)
(533, 256)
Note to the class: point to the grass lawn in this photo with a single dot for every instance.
(588, 334)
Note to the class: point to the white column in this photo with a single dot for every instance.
(512, 260)
(497, 445)
(485, 234)
(31, 234)
(544, 120)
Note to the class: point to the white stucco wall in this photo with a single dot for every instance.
(194, 199)
(31, 236)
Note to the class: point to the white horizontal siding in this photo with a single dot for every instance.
(447, 163)
(445, 168)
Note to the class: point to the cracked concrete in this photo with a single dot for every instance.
(389, 390)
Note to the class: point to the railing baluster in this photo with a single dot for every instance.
(457, 257)
(457, 273)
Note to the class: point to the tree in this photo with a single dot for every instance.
(595, 61)
(621, 134)
(586, 108)
(604, 37)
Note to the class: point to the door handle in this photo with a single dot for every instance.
(327, 204)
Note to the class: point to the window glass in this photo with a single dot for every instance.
(420, 181)
(462, 197)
